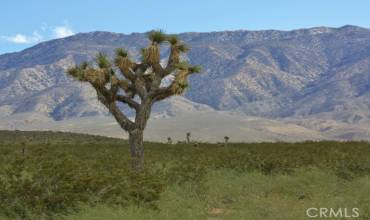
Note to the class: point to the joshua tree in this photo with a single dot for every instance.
(226, 140)
(23, 145)
(188, 134)
(137, 84)
(24, 141)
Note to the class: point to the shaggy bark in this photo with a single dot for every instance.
(137, 149)
(136, 135)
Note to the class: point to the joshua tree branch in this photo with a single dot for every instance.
(173, 60)
(129, 101)
(106, 98)
(174, 88)
(140, 86)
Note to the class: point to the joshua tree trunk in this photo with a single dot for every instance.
(136, 135)
(137, 149)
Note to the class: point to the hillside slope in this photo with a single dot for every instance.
(320, 74)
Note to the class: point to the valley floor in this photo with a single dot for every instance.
(205, 127)
(55, 175)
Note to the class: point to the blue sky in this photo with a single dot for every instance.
(25, 23)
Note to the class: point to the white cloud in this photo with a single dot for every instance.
(18, 39)
(62, 31)
(23, 39)
(45, 32)
(36, 37)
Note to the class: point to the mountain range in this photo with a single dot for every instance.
(316, 81)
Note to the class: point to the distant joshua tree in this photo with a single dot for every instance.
(188, 134)
(24, 141)
(226, 140)
(137, 84)
(23, 145)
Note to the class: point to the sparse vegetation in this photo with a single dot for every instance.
(71, 176)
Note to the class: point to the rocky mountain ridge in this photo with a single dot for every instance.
(321, 74)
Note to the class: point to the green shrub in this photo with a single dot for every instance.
(60, 172)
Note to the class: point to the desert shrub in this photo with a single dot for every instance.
(185, 172)
(58, 176)
(47, 182)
